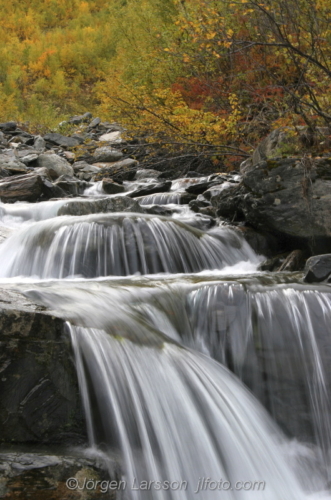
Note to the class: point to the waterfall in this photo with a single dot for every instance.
(178, 417)
(118, 244)
(160, 199)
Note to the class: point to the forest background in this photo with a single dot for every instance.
(207, 73)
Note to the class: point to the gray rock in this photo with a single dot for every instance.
(201, 187)
(94, 123)
(71, 185)
(40, 399)
(103, 205)
(161, 187)
(146, 174)
(119, 171)
(111, 187)
(61, 140)
(12, 165)
(39, 143)
(107, 154)
(56, 165)
(29, 158)
(318, 268)
(28, 187)
(8, 126)
(293, 262)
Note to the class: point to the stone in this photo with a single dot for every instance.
(40, 400)
(56, 165)
(111, 187)
(39, 143)
(113, 137)
(62, 140)
(119, 171)
(29, 158)
(318, 268)
(12, 165)
(21, 188)
(201, 187)
(94, 123)
(146, 174)
(70, 185)
(43, 474)
(107, 154)
(8, 126)
(161, 187)
(102, 205)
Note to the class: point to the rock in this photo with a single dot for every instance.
(193, 174)
(196, 205)
(293, 262)
(159, 210)
(113, 137)
(318, 268)
(39, 143)
(119, 171)
(94, 123)
(56, 165)
(291, 198)
(107, 154)
(69, 156)
(146, 174)
(12, 165)
(161, 187)
(77, 120)
(111, 187)
(103, 205)
(28, 187)
(62, 140)
(282, 141)
(71, 185)
(262, 244)
(43, 474)
(201, 187)
(29, 158)
(273, 263)
(8, 126)
(40, 400)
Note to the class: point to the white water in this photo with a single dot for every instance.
(144, 348)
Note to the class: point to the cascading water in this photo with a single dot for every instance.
(118, 244)
(144, 347)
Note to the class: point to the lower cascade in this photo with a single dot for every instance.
(208, 378)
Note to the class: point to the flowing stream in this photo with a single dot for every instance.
(209, 378)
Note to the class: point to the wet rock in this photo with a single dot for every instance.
(318, 268)
(262, 244)
(158, 210)
(42, 475)
(111, 187)
(291, 198)
(274, 263)
(103, 205)
(70, 185)
(107, 154)
(40, 399)
(21, 188)
(201, 187)
(196, 205)
(294, 262)
(161, 187)
(56, 165)
(62, 140)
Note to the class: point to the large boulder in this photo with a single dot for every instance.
(56, 165)
(28, 187)
(39, 396)
(289, 198)
(62, 140)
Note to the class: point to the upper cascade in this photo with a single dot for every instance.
(119, 244)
